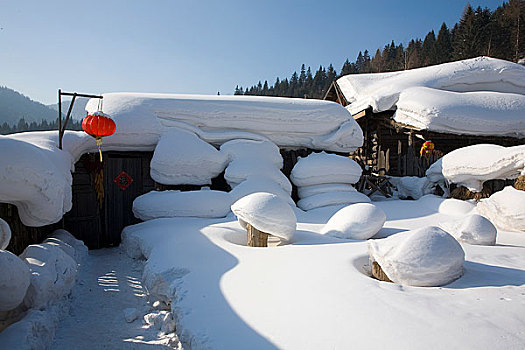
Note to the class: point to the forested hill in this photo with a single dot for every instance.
(20, 113)
(15, 106)
(480, 32)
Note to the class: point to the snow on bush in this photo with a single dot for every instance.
(506, 209)
(260, 184)
(472, 165)
(332, 198)
(324, 168)
(285, 121)
(53, 274)
(381, 91)
(306, 191)
(241, 169)
(182, 158)
(267, 213)
(252, 149)
(5, 234)
(472, 113)
(356, 221)
(473, 229)
(424, 257)
(167, 204)
(36, 180)
(14, 280)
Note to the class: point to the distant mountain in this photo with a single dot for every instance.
(15, 106)
(78, 111)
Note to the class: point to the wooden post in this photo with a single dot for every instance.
(256, 238)
(378, 272)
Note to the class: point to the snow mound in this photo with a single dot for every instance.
(506, 209)
(53, 274)
(14, 280)
(424, 257)
(411, 186)
(472, 165)
(285, 121)
(356, 221)
(182, 158)
(471, 113)
(452, 206)
(5, 234)
(267, 213)
(253, 149)
(241, 169)
(168, 204)
(381, 91)
(323, 168)
(307, 191)
(260, 184)
(473, 229)
(81, 251)
(36, 180)
(331, 198)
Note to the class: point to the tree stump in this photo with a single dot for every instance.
(519, 184)
(378, 272)
(256, 238)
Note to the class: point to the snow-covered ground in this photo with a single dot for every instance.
(315, 292)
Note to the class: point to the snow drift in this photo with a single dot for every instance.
(506, 209)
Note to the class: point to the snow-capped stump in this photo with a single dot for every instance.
(474, 229)
(5, 234)
(14, 280)
(425, 257)
(260, 184)
(506, 209)
(264, 214)
(356, 221)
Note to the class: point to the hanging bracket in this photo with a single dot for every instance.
(62, 126)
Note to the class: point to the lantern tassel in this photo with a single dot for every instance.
(99, 144)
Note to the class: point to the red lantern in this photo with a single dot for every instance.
(99, 125)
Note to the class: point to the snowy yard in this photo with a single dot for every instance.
(314, 293)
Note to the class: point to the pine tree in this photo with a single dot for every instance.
(443, 45)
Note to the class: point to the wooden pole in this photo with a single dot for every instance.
(256, 238)
(59, 118)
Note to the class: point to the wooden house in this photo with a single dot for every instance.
(393, 148)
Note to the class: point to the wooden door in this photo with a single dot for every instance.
(126, 176)
(84, 220)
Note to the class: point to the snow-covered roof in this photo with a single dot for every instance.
(288, 122)
(479, 96)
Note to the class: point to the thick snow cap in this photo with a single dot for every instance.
(482, 96)
(324, 168)
(182, 158)
(473, 229)
(424, 257)
(307, 191)
(472, 165)
(332, 198)
(168, 204)
(260, 184)
(253, 149)
(506, 209)
(267, 213)
(14, 280)
(241, 169)
(356, 221)
(287, 122)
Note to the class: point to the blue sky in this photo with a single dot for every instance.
(185, 46)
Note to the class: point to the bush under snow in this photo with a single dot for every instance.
(14, 280)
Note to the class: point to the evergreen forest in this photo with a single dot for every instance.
(480, 32)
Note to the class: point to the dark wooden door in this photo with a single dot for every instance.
(126, 176)
(85, 219)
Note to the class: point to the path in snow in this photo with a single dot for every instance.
(109, 282)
